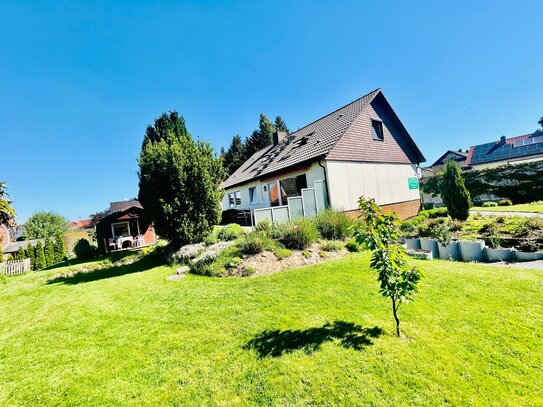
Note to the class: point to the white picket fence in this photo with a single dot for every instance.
(15, 267)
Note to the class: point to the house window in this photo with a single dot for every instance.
(252, 196)
(291, 187)
(120, 229)
(234, 199)
(377, 130)
(273, 192)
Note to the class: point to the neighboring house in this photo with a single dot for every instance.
(13, 247)
(459, 157)
(4, 236)
(124, 227)
(361, 149)
(81, 224)
(507, 151)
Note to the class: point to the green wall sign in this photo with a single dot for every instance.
(413, 183)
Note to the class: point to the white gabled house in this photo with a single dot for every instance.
(359, 149)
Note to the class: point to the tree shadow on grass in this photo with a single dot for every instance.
(275, 343)
(84, 276)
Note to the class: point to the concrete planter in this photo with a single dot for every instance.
(420, 254)
(431, 246)
(494, 255)
(529, 256)
(472, 251)
(449, 252)
(412, 243)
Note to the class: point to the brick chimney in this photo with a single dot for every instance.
(278, 137)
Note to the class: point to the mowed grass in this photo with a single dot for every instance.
(320, 335)
(534, 208)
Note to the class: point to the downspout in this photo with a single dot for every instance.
(325, 183)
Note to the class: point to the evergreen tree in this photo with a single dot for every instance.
(21, 253)
(179, 181)
(49, 251)
(40, 256)
(454, 193)
(31, 254)
(60, 248)
(234, 156)
(280, 125)
(260, 138)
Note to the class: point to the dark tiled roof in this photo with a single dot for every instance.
(123, 205)
(310, 143)
(14, 246)
(506, 149)
(304, 145)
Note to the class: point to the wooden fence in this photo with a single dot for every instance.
(14, 267)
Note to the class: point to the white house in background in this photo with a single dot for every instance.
(359, 149)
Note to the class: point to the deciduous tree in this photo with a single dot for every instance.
(379, 232)
(44, 224)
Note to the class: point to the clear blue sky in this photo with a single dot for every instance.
(80, 82)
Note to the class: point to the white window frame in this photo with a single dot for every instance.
(120, 223)
(255, 201)
(234, 195)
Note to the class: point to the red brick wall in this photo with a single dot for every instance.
(404, 210)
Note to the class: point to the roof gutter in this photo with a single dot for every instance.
(325, 183)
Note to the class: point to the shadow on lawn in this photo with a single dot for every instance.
(275, 343)
(83, 276)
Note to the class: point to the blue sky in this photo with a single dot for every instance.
(80, 82)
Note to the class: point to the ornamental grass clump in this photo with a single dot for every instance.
(297, 234)
(333, 225)
(379, 232)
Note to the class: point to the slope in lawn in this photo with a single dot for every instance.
(319, 335)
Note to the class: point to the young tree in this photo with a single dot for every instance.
(21, 254)
(31, 254)
(454, 193)
(179, 181)
(280, 125)
(49, 252)
(44, 224)
(40, 256)
(379, 232)
(235, 156)
(59, 248)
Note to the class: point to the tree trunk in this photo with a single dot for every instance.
(394, 312)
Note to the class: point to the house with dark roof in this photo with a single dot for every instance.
(515, 150)
(124, 227)
(360, 149)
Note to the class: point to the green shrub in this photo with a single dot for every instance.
(434, 213)
(323, 254)
(247, 271)
(264, 227)
(84, 250)
(230, 232)
(307, 254)
(282, 253)
(332, 246)
(489, 204)
(297, 234)
(333, 225)
(505, 202)
(352, 246)
(252, 243)
(216, 263)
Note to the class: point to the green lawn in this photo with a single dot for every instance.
(313, 336)
(535, 208)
